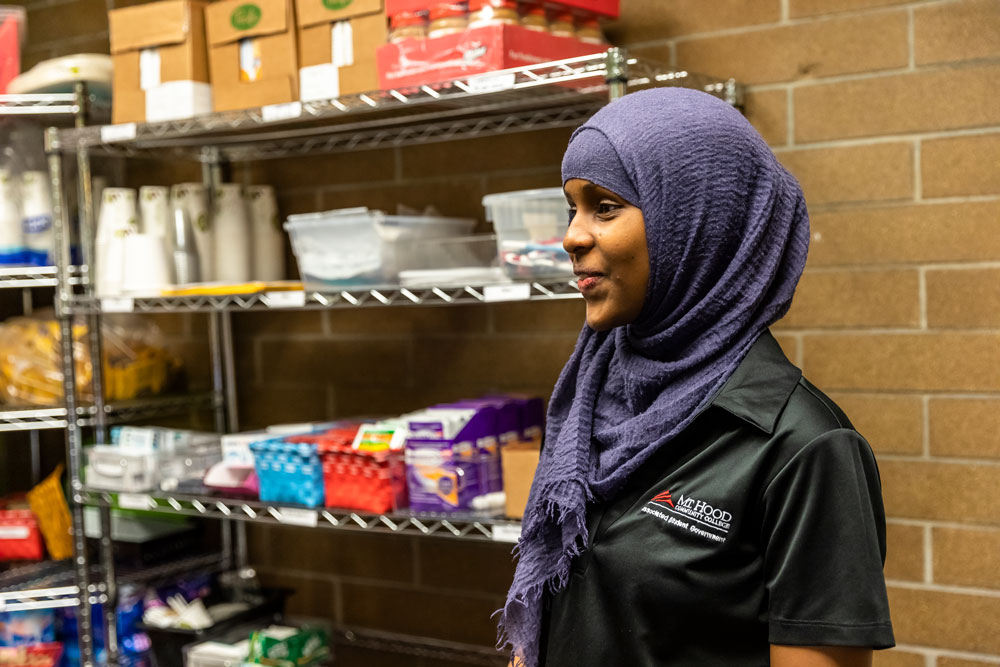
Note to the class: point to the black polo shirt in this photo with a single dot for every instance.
(762, 523)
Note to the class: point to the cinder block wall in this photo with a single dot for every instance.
(886, 111)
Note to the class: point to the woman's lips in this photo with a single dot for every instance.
(588, 282)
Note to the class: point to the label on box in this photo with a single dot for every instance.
(149, 68)
(118, 304)
(319, 82)
(122, 132)
(275, 112)
(296, 517)
(289, 299)
(14, 532)
(514, 292)
(135, 501)
(175, 100)
(492, 83)
(509, 532)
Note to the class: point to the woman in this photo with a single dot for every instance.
(697, 501)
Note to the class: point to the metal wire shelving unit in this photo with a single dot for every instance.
(548, 95)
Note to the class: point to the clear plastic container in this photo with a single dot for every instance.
(464, 260)
(357, 248)
(530, 225)
(116, 469)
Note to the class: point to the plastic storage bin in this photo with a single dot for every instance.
(114, 469)
(20, 538)
(289, 470)
(356, 248)
(371, 481)
(530, 225)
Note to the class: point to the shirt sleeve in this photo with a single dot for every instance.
(824, 545)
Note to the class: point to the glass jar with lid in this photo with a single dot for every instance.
(562, 25)
(493, 12)
(589, 30)
(533, 16)
(448, 18)
(407, 25)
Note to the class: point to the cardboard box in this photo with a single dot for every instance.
(263, 33)
(160, 63)
(337, 43)
(609, 8)
(519, 463)
(415, 62)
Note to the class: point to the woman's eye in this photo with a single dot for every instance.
(608, 209)
(570, 214)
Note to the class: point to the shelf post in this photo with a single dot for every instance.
(616, 64)
(74, 445)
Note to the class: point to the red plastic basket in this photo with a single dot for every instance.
(20, 538)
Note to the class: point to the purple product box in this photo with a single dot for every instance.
(506, 420)
(532, 413)
(445, 475)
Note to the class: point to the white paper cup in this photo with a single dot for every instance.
(147, 266)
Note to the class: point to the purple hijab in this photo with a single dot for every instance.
(727, 233)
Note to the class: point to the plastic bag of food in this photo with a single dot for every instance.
(31, 371)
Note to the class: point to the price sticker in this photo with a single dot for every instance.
(121, 132)
(507, 532)
(289, 299)
(273, 113)
(296, 517)
(135, 501)
(514, 292)
(491, 83)
(118, 304)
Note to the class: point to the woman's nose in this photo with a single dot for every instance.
(578, 238)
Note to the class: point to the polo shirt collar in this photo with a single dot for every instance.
(759, 388)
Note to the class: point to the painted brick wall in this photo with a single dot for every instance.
(886, 112)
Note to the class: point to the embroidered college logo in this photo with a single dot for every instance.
(695, 516)
(663, 498)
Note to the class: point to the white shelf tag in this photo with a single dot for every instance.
(118, 304)
(507, 532)
(122, 132)
(135, 501)
(275, 112)
(289, 299)
(296, 517)
(14, 532)
(514, 292)
(491, 83)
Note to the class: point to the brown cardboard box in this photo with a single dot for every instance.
(359, 25)
(519, 462)
(170, 32)
(271, 24)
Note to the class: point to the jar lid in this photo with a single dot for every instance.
(476, 5)
(535, 9)
(447, 10)
(404, 19)
(563, 17)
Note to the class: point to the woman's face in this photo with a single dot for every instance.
(607, 240)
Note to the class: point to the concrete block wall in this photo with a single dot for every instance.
(885, 110)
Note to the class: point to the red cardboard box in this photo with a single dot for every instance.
(415, 62)
(609, 8)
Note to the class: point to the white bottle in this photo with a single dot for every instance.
(231, 226)
(193, 199)
(37, 218)
(12, 250)
(268, 237)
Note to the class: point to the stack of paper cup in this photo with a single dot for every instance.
(37, 218)
(12, 248)
(233, 249)
(119, 219)
(192, 198)
(268, 239)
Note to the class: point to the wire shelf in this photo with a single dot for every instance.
(425, 647)
(541, 290)
(35, 419)
(555, 94)
(14, 277)
(466, 526)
